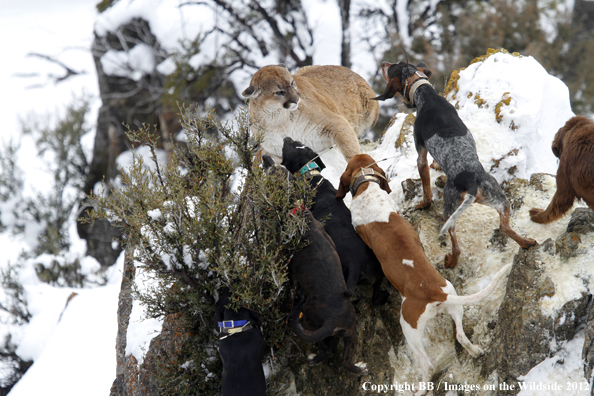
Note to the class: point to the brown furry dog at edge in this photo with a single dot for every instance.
(574, 146)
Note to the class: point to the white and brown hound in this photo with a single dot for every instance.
(397, 246)
(439, 131)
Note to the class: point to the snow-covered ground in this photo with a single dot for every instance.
(73, 341)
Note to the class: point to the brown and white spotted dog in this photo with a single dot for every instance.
(439, 130)
(397, 246)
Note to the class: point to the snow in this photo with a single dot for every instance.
(71, 338)
(71, 341)
(133, 64)
(141, 330)
(564, 370)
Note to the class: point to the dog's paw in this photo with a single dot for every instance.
(423, 205)
(534, 214)
(450, 260)
(529, 243)
(311, 359)
(475, 351)
(362, 366)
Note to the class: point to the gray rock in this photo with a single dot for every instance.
(582, 221)
(588, 351)
(126, 371)
(567, 245)
(569, 317)
(411, 188)
(522, 335)
(514, 192)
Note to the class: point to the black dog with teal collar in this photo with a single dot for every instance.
(358, 262)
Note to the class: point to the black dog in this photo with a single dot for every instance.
(325, 306)
(240, 347)
(357, 259)
(439, 130)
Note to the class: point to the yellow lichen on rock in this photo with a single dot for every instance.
(452, 85)
(406, 129)
(497, 162)
(505, 100)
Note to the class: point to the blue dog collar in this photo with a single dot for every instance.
(229, 324)
(307, 168)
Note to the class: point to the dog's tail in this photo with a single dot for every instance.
(480, 296)
(465, 181)
(314, 336)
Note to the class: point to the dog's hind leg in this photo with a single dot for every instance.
(423, 167)
(322, 355)
(451, 202)
(507, 230)
(348, 340)
(414, 338)
(379, 296)
(457, 313)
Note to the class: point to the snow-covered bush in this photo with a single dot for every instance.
(209, 217)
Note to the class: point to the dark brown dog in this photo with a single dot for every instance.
(325, 306)
(574, 146)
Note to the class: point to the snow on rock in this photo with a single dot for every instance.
(141, 330)
(558, 375)
(510, 102)
(132, 64)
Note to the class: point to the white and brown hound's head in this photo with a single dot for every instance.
(353, 168)
(273, 88)
(396, 75)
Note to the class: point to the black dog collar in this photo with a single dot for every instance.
(366, 175)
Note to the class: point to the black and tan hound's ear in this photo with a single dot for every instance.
(343, 187)
(392, 89)
(423, 67)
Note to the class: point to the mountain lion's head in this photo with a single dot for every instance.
(273, 88)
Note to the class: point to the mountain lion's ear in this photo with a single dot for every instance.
(250, 92)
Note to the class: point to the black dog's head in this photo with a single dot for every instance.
(223, 313)
(396, 75)
(296, 155)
